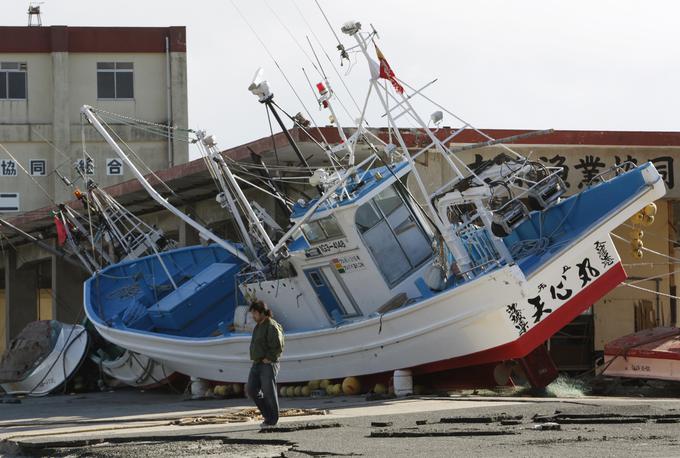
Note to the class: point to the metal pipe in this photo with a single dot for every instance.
(316, 205)
(41, 244)
(254, 220)
(511, 138)
(168, 102)
(87, 111)
(271, 108)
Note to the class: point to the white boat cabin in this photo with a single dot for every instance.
(351, 255)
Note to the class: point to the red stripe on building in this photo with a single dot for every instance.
(60, 38)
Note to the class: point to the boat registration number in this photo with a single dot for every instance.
(327, 248)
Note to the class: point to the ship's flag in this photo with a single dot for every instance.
(387, 73)
(61, 231)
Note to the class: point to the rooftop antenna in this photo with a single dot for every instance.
(34, 12)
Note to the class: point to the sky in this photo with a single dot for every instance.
(526, 64)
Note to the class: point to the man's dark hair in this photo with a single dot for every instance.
(260, 307)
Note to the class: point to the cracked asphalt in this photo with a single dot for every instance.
(131, 424)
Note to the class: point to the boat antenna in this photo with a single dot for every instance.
(328, 58)
(285, 77)
(341, 47)
(260, 88)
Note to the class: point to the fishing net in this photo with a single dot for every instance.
(27, 350)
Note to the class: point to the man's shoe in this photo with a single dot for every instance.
(265, 425)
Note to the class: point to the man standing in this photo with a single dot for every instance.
(266, 347)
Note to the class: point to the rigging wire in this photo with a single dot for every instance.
(341, 47)
(332, 91)
(480, 132)
(340, 77)
(276, 63)
(271, 134)
(290, 34)
(54, 147)
(44, 191)
(658, 293)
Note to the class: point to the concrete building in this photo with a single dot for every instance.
(54, 286)
(48, 73)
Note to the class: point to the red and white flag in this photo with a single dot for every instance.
(61, 231)
(387, 73)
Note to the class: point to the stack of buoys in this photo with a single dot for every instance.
(230, 389)
(349, 386)
(644, 217)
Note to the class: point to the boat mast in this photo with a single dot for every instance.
(454, 243)
(225, 172)
(88, 112)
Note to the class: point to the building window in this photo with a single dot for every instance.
(13, 80)
(115, 80)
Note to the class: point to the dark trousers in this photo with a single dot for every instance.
(262, 389)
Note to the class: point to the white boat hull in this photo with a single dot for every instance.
(496, 317)
(470, 320)
(57, 367)
(643, 368)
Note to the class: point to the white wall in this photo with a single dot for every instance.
(149, 85)
(58, 85)
(38, 107)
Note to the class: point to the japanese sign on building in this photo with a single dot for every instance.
(581, 165)
(8, 168)
(114, 166)
(37, 167)
(85, 166)
(9, 202)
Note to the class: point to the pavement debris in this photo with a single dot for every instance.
(242, 415)
(381, 424)
(438, 433)
(288, 428)
(547, 426)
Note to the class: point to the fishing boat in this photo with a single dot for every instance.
(375, 275)
(652, 354)
(42, 358)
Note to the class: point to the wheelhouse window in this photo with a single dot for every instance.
(13, 81)
(115, 80)
(321, 230)
(393, 236)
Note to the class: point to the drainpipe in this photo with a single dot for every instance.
(168, 101)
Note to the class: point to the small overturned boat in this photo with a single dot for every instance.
(367, 279)
(130, 368)
(652, 354)
(42, 358)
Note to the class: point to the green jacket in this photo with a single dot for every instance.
(267, 341)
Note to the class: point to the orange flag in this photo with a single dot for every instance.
(387, 73)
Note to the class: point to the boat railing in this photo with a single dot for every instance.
(615, 170)
(480, 247)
